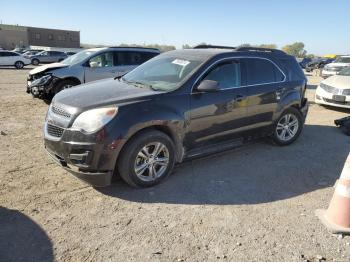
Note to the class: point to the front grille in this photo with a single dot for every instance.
(335, 102)
(59, 111)
(335, 91)
(54, 131)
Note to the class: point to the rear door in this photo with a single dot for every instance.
(265, 83)
(218, 116)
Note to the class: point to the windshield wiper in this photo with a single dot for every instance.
(120, 76)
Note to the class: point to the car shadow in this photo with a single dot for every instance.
(21, 239)
(256, 173)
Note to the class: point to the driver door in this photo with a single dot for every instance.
(217, 116)
(101, 66)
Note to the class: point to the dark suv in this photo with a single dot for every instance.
(180, 104)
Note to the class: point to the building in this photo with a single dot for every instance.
(12, 36)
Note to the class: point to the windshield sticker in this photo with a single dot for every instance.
(180, 62)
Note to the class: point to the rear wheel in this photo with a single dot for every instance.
(65, 84)
(19, 64)
(35, 61)
(147, 159)
(288, 127)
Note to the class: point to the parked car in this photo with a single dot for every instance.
(29, 53)
(334, 68)
(9, 58)
(303, 63)
(180, 104)
(85, 66)
(335, 90)
(318, 64)
(48, 57)
(19, 50)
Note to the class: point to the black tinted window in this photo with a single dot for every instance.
(262, 71)
(147, 56)
(292, 69)
(226, 74)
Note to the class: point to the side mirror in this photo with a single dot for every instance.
(208, 86)
(93, 64)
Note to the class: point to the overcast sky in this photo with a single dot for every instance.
(322, 25)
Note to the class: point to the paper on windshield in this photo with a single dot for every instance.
(180, 62)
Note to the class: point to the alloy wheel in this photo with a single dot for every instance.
(151, 162)
(287, 127)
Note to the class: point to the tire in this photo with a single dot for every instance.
(284, 127)
(19, 64)
(64, 84)
(35, 61)
(135, 155)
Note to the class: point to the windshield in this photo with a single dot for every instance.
(163, 73)
(345, 72)
(77, 58)
(342, 60)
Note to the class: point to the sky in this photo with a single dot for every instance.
(323, 26)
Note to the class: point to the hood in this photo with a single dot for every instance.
(338, 81)
(101, 93)
(44, 68)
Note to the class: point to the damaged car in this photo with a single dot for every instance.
(86, 66)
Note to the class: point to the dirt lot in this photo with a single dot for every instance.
(255, 203)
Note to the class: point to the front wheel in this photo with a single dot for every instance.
(19, 64)
(147, 159)
(35, 61)
(288, 127)
(62, 85)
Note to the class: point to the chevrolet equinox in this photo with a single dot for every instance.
(180, 104)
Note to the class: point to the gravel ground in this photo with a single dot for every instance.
(255, 203)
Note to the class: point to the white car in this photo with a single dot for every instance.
(335, 67)
(9, 58)
(335, 90)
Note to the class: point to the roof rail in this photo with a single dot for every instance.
(213, 46)
(133, 47)
(260, 49)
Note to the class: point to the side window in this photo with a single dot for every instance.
(227, 74)
(102, 60)
(262, 71)
(292, 69)
(45, 53)
(145, 56)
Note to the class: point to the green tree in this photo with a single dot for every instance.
(186, 46)
(296, 49)
(272, 46)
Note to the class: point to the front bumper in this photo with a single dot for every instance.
(40, 91)
(96, 179)
(325, 98)
(89, 157)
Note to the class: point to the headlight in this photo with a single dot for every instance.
(42, 81)
(92, 120)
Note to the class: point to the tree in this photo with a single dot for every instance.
(186, 46)
(272, 46)
(296, 49)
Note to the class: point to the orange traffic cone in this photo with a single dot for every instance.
(337, 217)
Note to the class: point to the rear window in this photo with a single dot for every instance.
(292, 69)
(261, 71)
